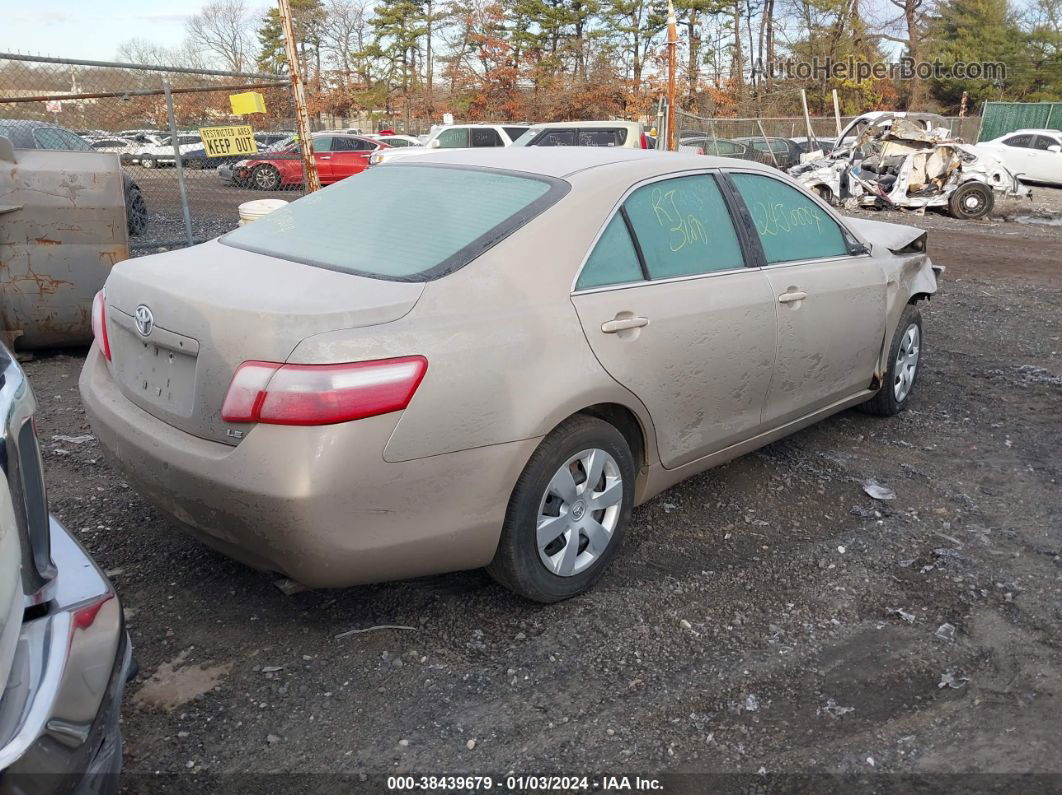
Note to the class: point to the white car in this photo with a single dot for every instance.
(1033, 155)
(122, 147)
(455, 136)
(155, 150)
(618, 134)
(395, 140)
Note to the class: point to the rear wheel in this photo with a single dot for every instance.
(904, 357)
(824, 193)
(568, 512)
(148, 162)
(136, 213)
(265, 177)
(971, 200)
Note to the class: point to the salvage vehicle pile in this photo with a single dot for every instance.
(908, 161)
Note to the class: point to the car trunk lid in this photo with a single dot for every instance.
(180, 323)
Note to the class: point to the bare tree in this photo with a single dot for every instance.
(223, 28)
(345, 36)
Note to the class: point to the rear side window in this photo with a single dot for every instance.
(485, 136)
(613, 260)
(514, 132)
(461, 213)
(1023, 141)
(610, 137)
(683, 227)
(790, 224)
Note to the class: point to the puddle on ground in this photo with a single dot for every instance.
(1042, 220)
(174, 684)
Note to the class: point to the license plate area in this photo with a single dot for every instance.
(164, 378)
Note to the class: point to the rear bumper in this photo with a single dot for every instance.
(318, 504)
(65, 692)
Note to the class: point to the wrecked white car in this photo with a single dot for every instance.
(904, 161)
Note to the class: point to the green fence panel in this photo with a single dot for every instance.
(1000, 118)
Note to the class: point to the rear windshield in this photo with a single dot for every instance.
(401, 222)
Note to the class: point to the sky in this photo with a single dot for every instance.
(90, 29)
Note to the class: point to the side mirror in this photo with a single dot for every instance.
(435, 144)
(1054, 148)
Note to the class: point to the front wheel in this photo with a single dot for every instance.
(568, 512)
(265, 178)
(904, 356)
(148, 162)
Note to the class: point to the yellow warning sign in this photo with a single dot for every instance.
(247, 102)
(228, 141)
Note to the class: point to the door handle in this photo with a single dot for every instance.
(325, 157)
(788, 298)
(622, 324)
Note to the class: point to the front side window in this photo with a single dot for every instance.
(321, 143)
(454, 138)
(613, 260)
(462, 212)
(485, 136)
(48, 138)
(514, 132)
(1043, 142)
(683, 227)
(790, 224)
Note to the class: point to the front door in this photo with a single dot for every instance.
(674, 315)
(829, 304)
(322, 157)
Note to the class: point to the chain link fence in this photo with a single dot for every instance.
(150, 118)
(824, 127)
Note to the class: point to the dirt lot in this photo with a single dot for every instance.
(765, 617)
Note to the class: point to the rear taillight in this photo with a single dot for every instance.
(645, 141)
(321, 394)
(99, 323)
(700, 150)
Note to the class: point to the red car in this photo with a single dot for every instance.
(338, 155)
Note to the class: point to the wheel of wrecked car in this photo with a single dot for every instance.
(265, 177)
(136, 212)
(904, 356)
(824, 193)
(971, 200)
(568, 512)
(148, 162)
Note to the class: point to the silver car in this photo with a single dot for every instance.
(64, 653)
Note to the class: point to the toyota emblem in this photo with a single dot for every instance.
(145, 321)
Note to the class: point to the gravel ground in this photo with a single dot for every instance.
(765, 617)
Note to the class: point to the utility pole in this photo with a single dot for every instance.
(672, 54)
(302, 119)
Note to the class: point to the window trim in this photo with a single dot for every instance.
(618, 207)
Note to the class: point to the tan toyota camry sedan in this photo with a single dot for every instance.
(488, 357)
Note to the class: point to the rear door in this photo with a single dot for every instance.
(829, 303)
(484, 136)
(350, 156)
(673, 314)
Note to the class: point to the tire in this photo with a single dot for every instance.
(824, 193)
(265, 178)
(891, 398)
(136, 212)
(971, 200)
(148, 162)
(519, 564)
